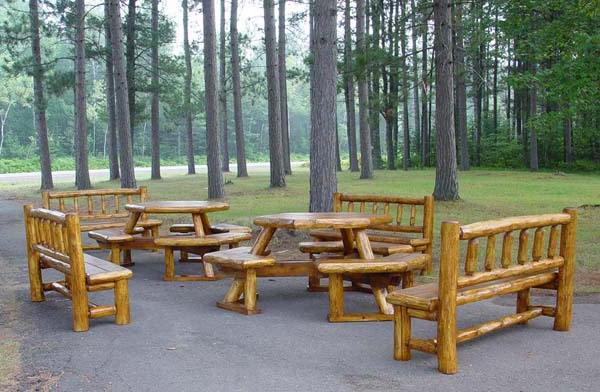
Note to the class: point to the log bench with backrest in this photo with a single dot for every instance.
(534, 268)
(54, 241)
(101, 209)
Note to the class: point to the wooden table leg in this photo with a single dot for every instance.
(132, 221)
(363, 245)
(260, 246)
(348, 240)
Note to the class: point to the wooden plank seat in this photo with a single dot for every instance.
(379, 248)
(119, 242)
(197, 245)
(487, 277)
(54, 241)
(216, 228)
(100, 209)
(245, 264)
(380, 274)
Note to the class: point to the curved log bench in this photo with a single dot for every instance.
(185, 228)
(54, 241)
(534, 268)
(117, 241)
(244, 265)
(381, 275)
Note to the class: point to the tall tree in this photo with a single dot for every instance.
(155, 110)
(113, 149)
(82, 173)
(39, 100)
(187, 90)
(366, 159)
(323, 180)
(478, 48)
(283, 101)
(461, 88)
(240, 144)
(349, 91)
(274, 107)
(375, 96)
(121, 97)
(446, 180)
(405, 124)
(215, 177)
(415, 74)
(425, 91)
(223, 92)
(130, 55)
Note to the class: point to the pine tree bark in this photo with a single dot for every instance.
(323, 180)
(240, 145)
(375, 98)
(82, 173)
(121, 97)
(130, 56)
(446, 180)
(415, 76)
(155, 109)
(424, 96)
(366, 159)
(461, 89)
(215, 177)
(349, 93)
(283, 101)
(405, 124)
(274, 106)
(113, 149)
(187, 91)
(478, 78)
(223, 93)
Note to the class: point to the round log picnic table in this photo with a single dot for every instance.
(198, 210)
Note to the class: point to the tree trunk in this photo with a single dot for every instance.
(187, 91)
(130, 56)
(323, 180)
(374, 99)
(223, 94)
(495, 71)
(240, 147)
(121, 98)
(533, 144)
(478, 78)
(275, 139)
(283, 100)
(405, 124)
(82, 173)
(424, 97)
(155, 109)
(215, 177)
(415, 75)
(113, 149)
(349, 93)
(446, 180)
(366, 159)
(39, 102)
(461, 89)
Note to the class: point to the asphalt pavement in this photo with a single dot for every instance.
(179, 340)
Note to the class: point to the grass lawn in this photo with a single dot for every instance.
(486, 194)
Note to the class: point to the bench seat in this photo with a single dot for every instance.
(239, 258)
(379, 248)
(425, 297)
(219, 227)
(100, 224)
(112, 235)
(177, 241)
(101, 271)
(398, 263)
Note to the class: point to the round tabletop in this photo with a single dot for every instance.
(321, 220)
(177, 207)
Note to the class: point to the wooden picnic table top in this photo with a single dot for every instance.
(177, 207)
(321, 220)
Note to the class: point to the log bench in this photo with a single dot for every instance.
(198, 245)
(244, 265)
(380, 274)
(411, 230)
(488, 278)
(188, 228)
(100, 209)
(54, 241)
(120, 243)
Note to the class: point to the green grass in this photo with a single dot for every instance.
(485, 194)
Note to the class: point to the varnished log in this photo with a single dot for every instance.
(507, 242)
(122, 315)
(33, 259)
(336, 296)
(472, 253)
(490, 253)
(402, 333)
(101, 311)
(523, 242)
(424, 345)
(260, 246)
(169, 265)
(517, 270)
(538, 244)
(250, 290)
(490, 326)
(488, 228)
(363, 245)
(564, 293)
(78, 284)
(553, 241)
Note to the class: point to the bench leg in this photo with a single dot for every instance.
(122, 316)
(235, 291)
(115, 255)
(169, 265)
(250, 290)
(380, 293)
(402, 333)
(36, 286)
(408, 279)
(155, 234)
(184, 256)
(127, 258)
(209, 271)
(336, 297)
(81, 321)
(523, 302)
(446, 337)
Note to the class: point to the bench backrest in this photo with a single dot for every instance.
(409, 215)
(94, 203)
(55, 237)
(526, 245)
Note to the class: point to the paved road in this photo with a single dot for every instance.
(179, 341)
(102, 174)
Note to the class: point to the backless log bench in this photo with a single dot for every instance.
(100, 209)
(534, 268)
(54, 241)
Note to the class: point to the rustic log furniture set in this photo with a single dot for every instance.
(363, 247)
